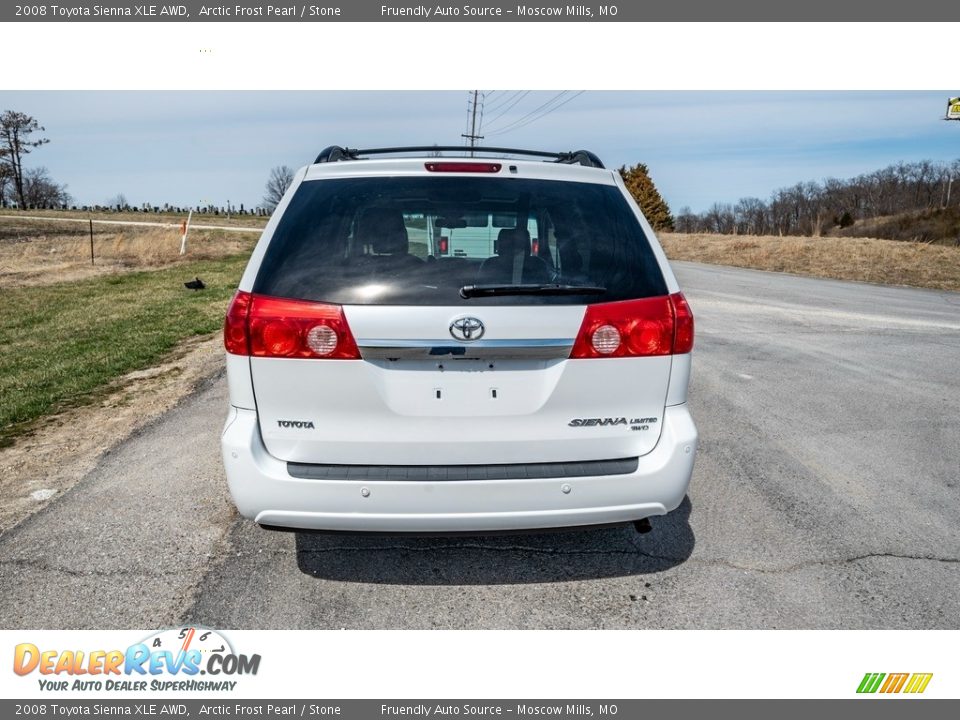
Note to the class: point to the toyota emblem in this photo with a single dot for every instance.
(467, 329)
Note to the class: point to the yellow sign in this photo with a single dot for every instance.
(953, 108)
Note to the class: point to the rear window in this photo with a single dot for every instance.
(418, 240)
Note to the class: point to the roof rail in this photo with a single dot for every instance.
(335, 153)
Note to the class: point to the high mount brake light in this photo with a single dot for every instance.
(463, 167)
(276, 327)
(636, 328)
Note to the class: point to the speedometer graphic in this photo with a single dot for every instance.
(183, 639)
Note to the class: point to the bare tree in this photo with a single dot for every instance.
(720, 219)
(16, 129)
(118, 201)
(39, 190)
(751, 216)
(687, 221)
(280, 179)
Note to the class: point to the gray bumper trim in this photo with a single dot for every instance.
(441, 473)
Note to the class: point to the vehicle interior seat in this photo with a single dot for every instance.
(383, 233)
(513, 264)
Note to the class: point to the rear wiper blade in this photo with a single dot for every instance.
(472, 291)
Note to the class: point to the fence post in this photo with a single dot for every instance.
(186, 229)
(91, 241)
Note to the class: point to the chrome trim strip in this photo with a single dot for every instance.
(539, 348)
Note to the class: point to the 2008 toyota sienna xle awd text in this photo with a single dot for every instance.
(396, 366)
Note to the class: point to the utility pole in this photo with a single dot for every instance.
(472, 136)
(953, 113)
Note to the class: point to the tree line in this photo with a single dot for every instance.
(817, 208)
(809, 208)
(33, 188)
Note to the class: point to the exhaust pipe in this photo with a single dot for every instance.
(642, 526)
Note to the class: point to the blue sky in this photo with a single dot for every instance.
(188, 148)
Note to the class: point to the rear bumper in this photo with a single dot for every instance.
(264, 491)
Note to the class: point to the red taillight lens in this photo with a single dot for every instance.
(683, 317)
(444, 244)
(235, 338)
(635, 328)
(276, 327)
(463, 167)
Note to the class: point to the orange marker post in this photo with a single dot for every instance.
(184, 229)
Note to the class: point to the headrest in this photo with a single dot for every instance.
(513, 241)
(383, 230)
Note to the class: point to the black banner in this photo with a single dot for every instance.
(486, 11)
(852, 709)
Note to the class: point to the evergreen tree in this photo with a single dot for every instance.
(16, 129)
(641, 187)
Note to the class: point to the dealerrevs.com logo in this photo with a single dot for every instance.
(179, 659)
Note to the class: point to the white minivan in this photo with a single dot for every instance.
(381, 382)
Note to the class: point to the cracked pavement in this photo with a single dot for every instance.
(825, 496)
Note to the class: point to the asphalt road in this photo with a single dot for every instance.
(825, 496)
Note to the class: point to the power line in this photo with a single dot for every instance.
(521, 95)
(504, 109)
(507, 129)
(520, 122)
(500, 102)
(532, 112)
(543, 115)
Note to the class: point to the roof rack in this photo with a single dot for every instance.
(335, 153)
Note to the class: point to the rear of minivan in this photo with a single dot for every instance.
(380, 382)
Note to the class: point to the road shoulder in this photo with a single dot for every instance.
(43, 465)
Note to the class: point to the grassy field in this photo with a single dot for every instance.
(889, 262)
(61, 343)
(134, 216)
(37, 252)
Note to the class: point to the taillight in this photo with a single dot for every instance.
(636, 328)
(463, 167)
(276, 327)
(235, 328)
(683, 317)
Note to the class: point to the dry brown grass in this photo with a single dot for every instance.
(254, 221)
(40, 253)
(889, 262)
